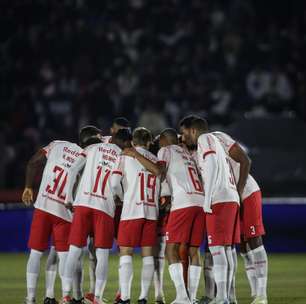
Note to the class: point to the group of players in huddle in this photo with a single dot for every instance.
(166, 195)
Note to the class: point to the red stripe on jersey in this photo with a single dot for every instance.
(117, 172)
(162, 162)
(208, 152)
(83, 154)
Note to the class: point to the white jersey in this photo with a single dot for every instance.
(182, 177)
(251, 185)
(52, 191)
(141, 189)
(165, 189)
(94, 189)
(224, 189)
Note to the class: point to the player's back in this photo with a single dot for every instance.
(52, 192)
(227, 143)
(141, 188)
(94, 190)
(182, 177)
(225, 188)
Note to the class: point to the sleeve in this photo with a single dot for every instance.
(227, 141)
(164, 156)
(73, 171)
(206, 146)
(47, 149)
(116, 178)
(208, 169)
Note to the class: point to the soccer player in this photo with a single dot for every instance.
(221, 203)
(94, 208)
(252, 228)
(139, 191)
(50, 217)
(186, 223)
(118, 124)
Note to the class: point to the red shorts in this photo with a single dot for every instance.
(222, 224)
(251, 221)
(186, 225)
(117, 217)
(91, 222)
(137, 233)
(44, 225)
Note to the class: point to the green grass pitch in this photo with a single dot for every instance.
(287, 280)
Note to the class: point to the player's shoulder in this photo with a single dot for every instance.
(65, 144)
(206, 137)
(147, 154)
(222, 136)
(110, 148)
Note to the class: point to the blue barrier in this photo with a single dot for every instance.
(285, 225)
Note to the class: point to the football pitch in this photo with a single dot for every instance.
(287, 280)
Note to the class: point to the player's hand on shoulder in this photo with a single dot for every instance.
(130, 152)
(27, 196)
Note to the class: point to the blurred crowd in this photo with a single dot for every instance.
(67, 63)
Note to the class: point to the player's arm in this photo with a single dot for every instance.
(241, 157)
(36, 162)
(158, 169)
(72, 177)
(209, 175)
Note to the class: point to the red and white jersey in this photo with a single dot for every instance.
(52, 191)
(141, 189)
(224, 189)
(94, 189)
(228, 142)
(182, 177)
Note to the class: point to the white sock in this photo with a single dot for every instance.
(232, 293)
(147, 273)
(33, 267)
(230, 268)
(125, 276)
(194, 273)
(159, 278)
(73, 257)
(77, 281)
(101, 271)
(250, 270)
(220, 270)
(209, 276)
(261, 270)
(92, 271)
(50, 274)
(176, 274)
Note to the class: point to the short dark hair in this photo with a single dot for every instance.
(88, 135)
(122, 138)
(170, 134)
(199, 124)
(122, 122)
(187, 120)
(142, 136)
